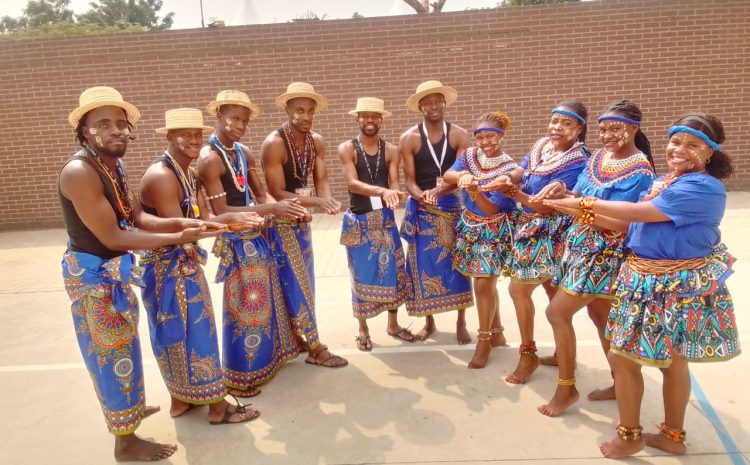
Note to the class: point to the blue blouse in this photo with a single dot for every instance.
(497, 198)
(566, 168)
(695, 204)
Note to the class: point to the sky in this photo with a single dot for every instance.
(238, 12)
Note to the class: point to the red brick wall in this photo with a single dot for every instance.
(668, 55)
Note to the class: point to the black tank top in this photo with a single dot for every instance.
(291, 182)
(235, 198)
(152, 210)
(80, 238)
(425, 168)
(367, 167)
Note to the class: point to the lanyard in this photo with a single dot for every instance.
(367, 161)
(432, 150)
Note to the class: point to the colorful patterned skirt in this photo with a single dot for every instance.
(431, 234)
(483, 243)
(376, 262)
(257, 338)
(181, 323)
(532, 253)
(105, 317)
(590, 261)
(682, 306)
(291, 247)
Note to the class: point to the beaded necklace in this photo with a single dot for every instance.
(603, 170)
(123, 194)
(304, 163)
(544, 162)
(367, 159)
(187, 184)
(486, 168)
(239, 170)
(658, 187)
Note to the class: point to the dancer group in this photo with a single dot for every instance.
(599, 231)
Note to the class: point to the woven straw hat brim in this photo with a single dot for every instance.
(205, 129)
(320, 101)
(213, 107)
(131, 111)
(450, 94)
(384, 113)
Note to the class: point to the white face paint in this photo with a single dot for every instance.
(180, 143)
(92, 131)
(228, 126)
(98, 141)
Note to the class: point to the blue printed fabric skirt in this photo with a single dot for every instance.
(376, 262)
(688, 311)
(257, 337)
(431, 234)
(483, 244)
(590, 261)
(532, 254)
(105, 318)
(181, 323)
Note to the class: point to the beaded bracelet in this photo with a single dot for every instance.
(473, 193)
(217, 196)
(587, 203)
(512, 192)
(460, 175)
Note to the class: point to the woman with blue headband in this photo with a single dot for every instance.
(483, 233)
(672, 303)
(552, 165)
(593, 253)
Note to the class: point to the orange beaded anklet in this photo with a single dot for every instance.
(566, 382)
(675, 434)
(629, 434)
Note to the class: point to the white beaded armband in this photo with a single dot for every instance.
(217, 196)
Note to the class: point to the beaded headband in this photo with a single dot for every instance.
(572, 114)
(497, 130)
(622, 119)
(696, 133)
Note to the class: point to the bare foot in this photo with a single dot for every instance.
(564, 397)
(481, 353)
(427, 331)
(462, 335)
(251, 391)
(667, 445)
(131, 448)
(549, 360)
(527, 364)
(180, 408)
(602, 394)
(150, 410)
(618, 448)
(498, 338)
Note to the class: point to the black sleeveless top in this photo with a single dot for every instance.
(235, 198)
(80, 237)
(425, 168)
(152, 210)
(291, 183)
(367, 167)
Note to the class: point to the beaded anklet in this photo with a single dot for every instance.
(675, 434)
(629, 434)
(527, 349)
(484, 335)
(566, 382)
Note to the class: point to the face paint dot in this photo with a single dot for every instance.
(92, 130)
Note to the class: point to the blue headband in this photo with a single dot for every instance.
(696, 133)
(622, 119)
(497, 130)
(572, 114)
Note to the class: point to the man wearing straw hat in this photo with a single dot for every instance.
(369, 232)
(428, 150)
(257, 334)
(100, 213)
(176, 295)
(292, 156)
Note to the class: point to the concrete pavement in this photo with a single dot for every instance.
(400, 404)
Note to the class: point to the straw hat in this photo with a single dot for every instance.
(370, 105)
(431, 87)
(102, 96)
(184, 118)
(233, 97)
(300, 90)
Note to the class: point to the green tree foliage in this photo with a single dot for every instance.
(53, 18)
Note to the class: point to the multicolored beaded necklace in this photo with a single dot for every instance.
(603, 170)
(239, 170)
(486, 168)
(302, 164)
(544, 162)
(658, 187)
(187, 184)
(123, 194)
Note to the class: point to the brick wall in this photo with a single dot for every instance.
(668, 55)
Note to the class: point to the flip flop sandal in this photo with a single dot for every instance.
(314, 360)
(362, 343)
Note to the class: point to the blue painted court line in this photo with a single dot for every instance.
(713, 417)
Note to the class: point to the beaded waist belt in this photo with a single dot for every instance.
(645, 265)
(474, 218)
